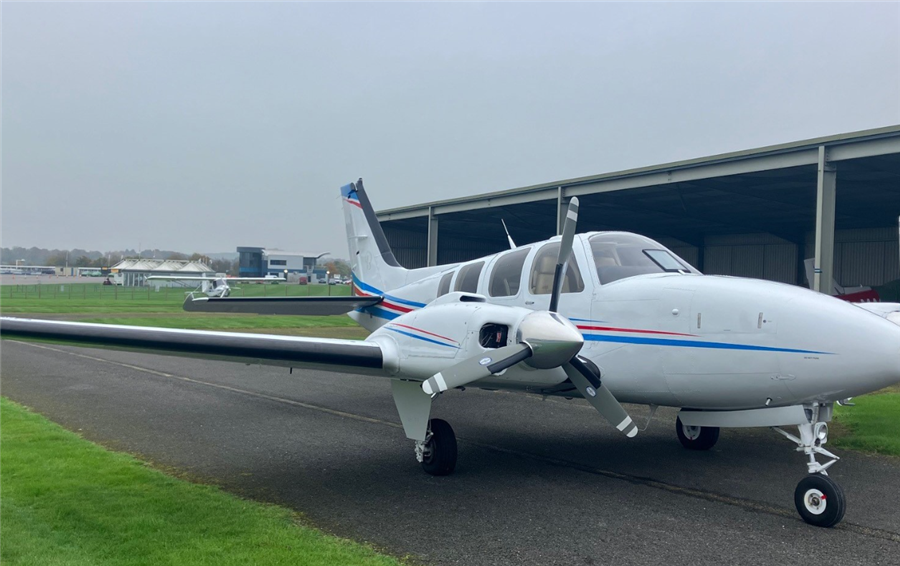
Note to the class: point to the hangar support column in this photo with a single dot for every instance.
(826, 189)
(432, 251)
(561, 208)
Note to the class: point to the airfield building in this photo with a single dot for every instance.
(134, 272)
(755, 213)
(259, 262)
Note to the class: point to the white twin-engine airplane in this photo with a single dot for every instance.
(214, 286)
(609, 316)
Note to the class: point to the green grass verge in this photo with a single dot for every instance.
(66, 501)
(873, 425)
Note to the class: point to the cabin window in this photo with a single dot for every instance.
(507, 274)
(665, 260)
(543, 268)
(467, 280)
(444, 286)
(619, 255)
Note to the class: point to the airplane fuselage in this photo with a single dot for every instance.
(673, 338)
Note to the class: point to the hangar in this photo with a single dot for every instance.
(134, 272)
(754, 213)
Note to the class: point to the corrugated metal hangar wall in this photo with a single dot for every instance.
(756, 213)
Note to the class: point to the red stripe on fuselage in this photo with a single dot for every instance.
(637, 331)
(425, 332)
(353, 202)
(384, 303)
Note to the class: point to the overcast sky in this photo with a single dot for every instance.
(206, 126)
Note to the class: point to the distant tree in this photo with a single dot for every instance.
(82, 261)
(221, 266)
(177, 256)
(58, 260)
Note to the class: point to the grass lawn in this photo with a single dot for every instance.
(94, 298)
(105, 304)
(873, 425)
(66, 501)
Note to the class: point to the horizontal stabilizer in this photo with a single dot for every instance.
(317, 306)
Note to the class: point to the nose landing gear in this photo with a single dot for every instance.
(818, 498)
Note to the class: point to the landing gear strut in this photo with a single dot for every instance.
(818, 498)
(696, 437)
(438, 452)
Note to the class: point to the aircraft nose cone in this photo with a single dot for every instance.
(554, 340)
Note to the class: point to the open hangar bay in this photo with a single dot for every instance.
(754, 213)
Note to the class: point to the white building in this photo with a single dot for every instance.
(134, 272)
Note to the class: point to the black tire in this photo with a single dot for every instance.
(820, 500)
(696, 438)
(439, 458)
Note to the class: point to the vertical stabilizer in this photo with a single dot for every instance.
(371, 258)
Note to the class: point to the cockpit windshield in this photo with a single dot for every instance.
(618, 255)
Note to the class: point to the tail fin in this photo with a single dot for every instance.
(371, 258)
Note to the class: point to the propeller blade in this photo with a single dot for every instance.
(586, 377)
(565, 250)
(476, 368)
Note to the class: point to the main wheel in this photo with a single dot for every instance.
(439, 453)
(696, 437)
(820, 500)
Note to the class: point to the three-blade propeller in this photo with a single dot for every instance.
(546, 340)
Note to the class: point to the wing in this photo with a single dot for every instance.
(352, 356)
(280, 305)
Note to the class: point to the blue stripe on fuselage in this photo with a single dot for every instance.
(693, 344)
(380, 313)
(369, 289)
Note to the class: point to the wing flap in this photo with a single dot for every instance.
(306, 306)
(289, 351)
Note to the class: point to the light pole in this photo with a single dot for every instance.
(328, 281)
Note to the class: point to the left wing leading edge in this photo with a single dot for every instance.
(351, 356)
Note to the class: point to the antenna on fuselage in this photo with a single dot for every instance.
(512, 245)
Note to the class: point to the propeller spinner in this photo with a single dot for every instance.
(545, 340)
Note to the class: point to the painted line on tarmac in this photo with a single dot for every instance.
(637, 480)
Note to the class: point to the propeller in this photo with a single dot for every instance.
(476, 368)
(545, 340)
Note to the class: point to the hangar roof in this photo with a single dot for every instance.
(769, 189)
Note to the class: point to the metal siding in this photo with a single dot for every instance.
(781, 263)
(690, 254)
(748, 261)
(409, 247)
(454, 249)
(862, 263)
(717, 260)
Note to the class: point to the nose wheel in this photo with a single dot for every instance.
(437, 453)
(820, 500)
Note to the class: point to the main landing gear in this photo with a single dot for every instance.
(696, 437)
(437, 453)
(818, 498)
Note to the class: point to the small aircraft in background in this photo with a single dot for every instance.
(610, 317)
(215, 286)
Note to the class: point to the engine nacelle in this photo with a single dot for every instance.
(455, 327)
